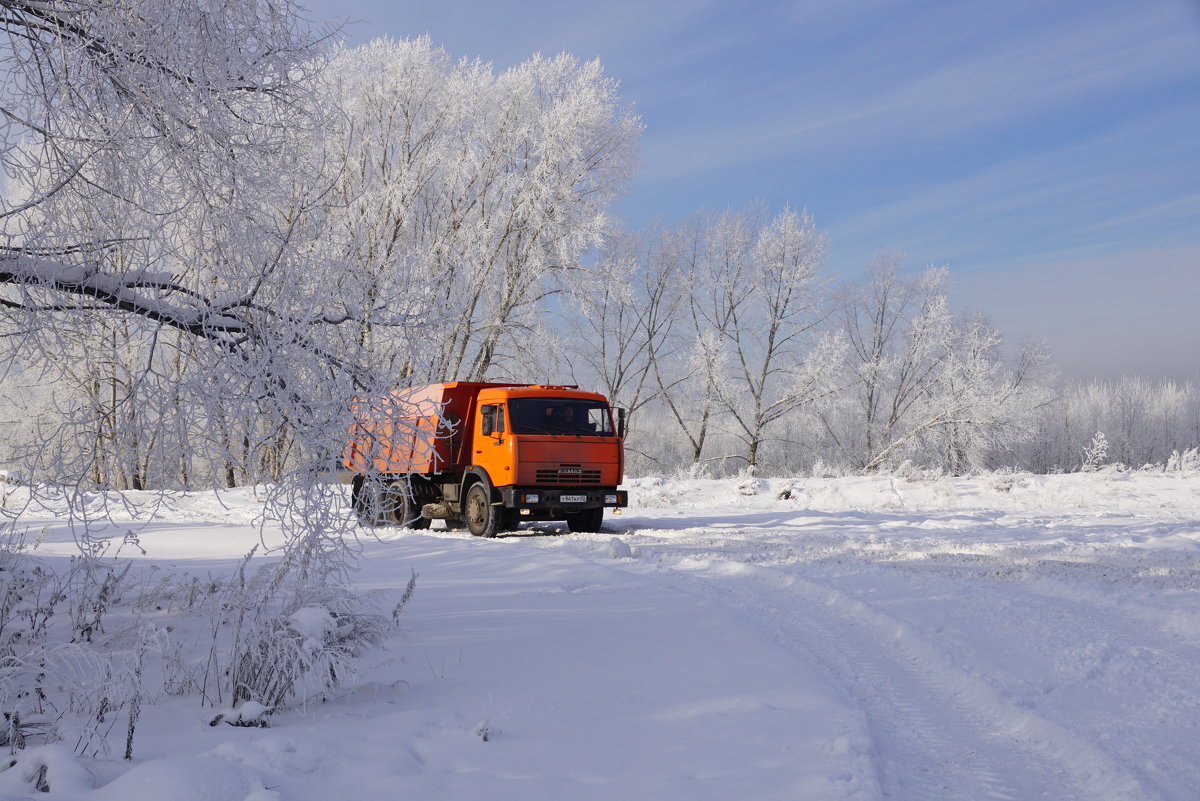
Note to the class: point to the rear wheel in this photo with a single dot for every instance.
(401, 506)
(483, 519)
(365, 501)
(585, 520)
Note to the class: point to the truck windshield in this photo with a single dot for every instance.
(583, 418)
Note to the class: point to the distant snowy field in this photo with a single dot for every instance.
(1001, 637)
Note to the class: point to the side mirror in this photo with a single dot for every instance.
(621, 423)
(488, 415)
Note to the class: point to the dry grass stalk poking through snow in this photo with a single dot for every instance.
(86, 641)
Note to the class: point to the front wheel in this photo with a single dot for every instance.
(483, 519)
(585, 520)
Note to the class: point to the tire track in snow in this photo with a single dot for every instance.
(939, 734)
(1085, 635)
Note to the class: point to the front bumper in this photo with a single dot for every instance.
(565, 498)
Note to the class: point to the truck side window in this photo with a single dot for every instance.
(492, 419)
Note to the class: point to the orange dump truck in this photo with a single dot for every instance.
(487, 456)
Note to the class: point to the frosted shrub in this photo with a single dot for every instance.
(822, 470)
(1095, 454)
(652, 491)
(695, 471)
(272, 659)
(298, 656)
(231, 360)
(791, 491)
(912, 473)
(62, 675)
(1005, 480)
(69, 674)
(748, 483)
(1186, 462)
(290, 645)
(8, 487)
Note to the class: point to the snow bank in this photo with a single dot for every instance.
(1104, 491)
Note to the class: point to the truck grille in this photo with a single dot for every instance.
(568, 475)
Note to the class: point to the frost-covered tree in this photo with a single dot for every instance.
(164, 206)
(777, 362)
(989, 403)
(176, 110)
(161, 178)
(728, 309)
(467, 197)
(625, 316)
(714, 263)
(894, 328)
(924, 384)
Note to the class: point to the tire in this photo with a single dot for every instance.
(585, 520)
(483, 519)
(365, 501)
(401, 506)
(356, 498)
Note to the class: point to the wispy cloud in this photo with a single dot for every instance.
(883, 103)
(1106, 191)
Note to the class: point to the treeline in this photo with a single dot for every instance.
(1134, 422)
(733, 351)
(405, 217)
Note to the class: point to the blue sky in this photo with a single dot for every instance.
(1047, 152)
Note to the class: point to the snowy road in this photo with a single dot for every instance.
(844, 639)
(993, 654)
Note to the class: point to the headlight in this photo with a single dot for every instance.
(532, 497)
(610, 499)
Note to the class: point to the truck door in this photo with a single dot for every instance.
(495, 449)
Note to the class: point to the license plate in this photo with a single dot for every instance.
(572, 499)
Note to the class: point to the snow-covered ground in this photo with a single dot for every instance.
(1004, 637)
